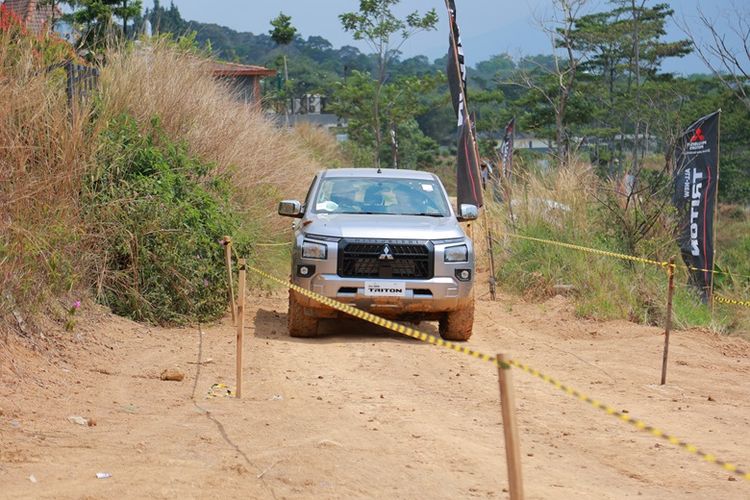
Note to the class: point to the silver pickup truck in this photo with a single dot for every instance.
(385, 241)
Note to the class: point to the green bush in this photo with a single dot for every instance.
(158, 215)
(689, 311)
(604, 288)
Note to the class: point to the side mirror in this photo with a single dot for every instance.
(468, 212)
(290, 208)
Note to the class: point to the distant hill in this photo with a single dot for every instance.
(314, 57)
(314, 62)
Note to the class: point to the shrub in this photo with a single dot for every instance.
(158, 215)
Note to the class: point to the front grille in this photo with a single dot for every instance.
(404, 259)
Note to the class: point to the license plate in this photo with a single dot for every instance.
(385, 289)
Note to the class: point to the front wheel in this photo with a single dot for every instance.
(300, 324)
(457, 325)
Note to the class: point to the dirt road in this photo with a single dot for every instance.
(365, 413)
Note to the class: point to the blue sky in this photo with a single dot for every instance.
(488, 27)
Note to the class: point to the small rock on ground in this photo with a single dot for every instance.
(86, 422)
(172, 374)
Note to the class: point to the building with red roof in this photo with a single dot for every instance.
(244, 78)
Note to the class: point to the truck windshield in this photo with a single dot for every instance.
(347, 195)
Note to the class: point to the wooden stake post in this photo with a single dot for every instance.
(228, 259)
(716, 212)
(491, 252)
(510, 429)
(240, 324)
(668, 326)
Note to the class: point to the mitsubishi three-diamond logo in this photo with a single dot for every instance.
(386, 255)
(697, 144)
(698, 136)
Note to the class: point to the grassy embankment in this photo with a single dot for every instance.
(124, 198)
(569, 206)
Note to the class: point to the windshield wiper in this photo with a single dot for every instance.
(421, 214)
(361, 213)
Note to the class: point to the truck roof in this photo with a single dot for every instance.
(386, 173)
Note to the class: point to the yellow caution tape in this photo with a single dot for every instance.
(733, 302)
(424, 337)
(622, 256)
(591, 250)
(725, 273)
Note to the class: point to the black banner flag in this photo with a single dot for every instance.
(468, 187)
(456, 65)
(506, 149)
(696, 179)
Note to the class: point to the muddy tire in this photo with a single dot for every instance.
(300, 324)
(457, 325)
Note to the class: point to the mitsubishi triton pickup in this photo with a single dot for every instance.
(385, 241)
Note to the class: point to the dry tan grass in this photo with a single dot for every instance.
(43, 151)
(157, 80)
(320, 145)
(560, 198)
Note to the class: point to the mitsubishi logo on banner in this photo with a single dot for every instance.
(698, 136)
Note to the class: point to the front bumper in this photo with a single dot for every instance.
(424, 299)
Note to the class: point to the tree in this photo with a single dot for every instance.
(647, 26)
(605, 83)
(402, 101)
(414, 66)
(385, 33)
(283, 34)
(168, 20)
(127, 10)
(318, 44)
(625, 50)
(560, 30)
(730, 65)
(95, 20)
(496, 68)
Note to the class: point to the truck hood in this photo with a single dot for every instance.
(401, 227)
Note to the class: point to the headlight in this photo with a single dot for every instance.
(311, 250)
(458, 253)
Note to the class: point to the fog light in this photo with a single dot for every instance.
(305, 271)
(463, 274)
